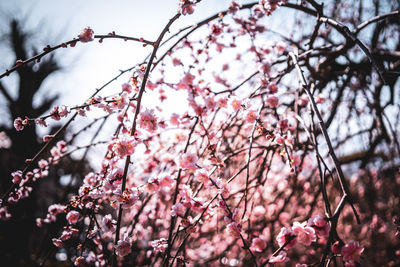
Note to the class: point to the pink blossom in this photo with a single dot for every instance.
(258, 244)
(81, 112)
(166, 181)
(86, 35)
(47, 138)
(236, 104)
(127, 198)
(251, 116)
(210, 103)
(272, 101)
(284, 236)
(188, 161)
(281, 257)
(234, 7)
(320, 225)
(303, 100)
(320, 99)
(175, 119)
(57, 242)
(43, 163)
(116, 176)
(4, 214)
(187, 80)
(186, 194)
(126, 87)
(283, 125)
(124, 146)
(55, 114)
(234, 229)
(159, 245)
(18, 124)
(202, 176)
(186, 7)
(352, 251)
(14, 197)
(123, 247)
(80, 261)
(17, 177)
(108, 223)
(305, 234)
(336, 248)
(350, 264)
(41, 122)
(176, 62)
(178, 210)
(72, 217)
(148, 120)
(222, 102)
(64, 111)
(272, 88)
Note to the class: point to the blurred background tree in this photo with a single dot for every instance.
(19, 237)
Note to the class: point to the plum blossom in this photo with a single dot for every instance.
(72, 217)
(55, 113)
(148, 120)
(202, 176)
(126, 87)
(86, 35)
(234, 229)
(123, 247)
(178, 210)
(251, 116)
(123, 146)
(283, 125)
(186, 7)
(64, 111)
(80, 261)
(320, 225)
(234, 7)
(159, 245)
(272, 101)
(281, 257)
(18, 124)
(127, 198)
(57, 242)
(286, 235)
(108, 223)
(236, 104)
(352, 251)
(188, 161)
(17, 177)
(210, 103)
(258, 244)
(305, 234)
(175, 119)
(4, 214)
(41, 122)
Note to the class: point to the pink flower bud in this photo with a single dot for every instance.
(86, 35)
